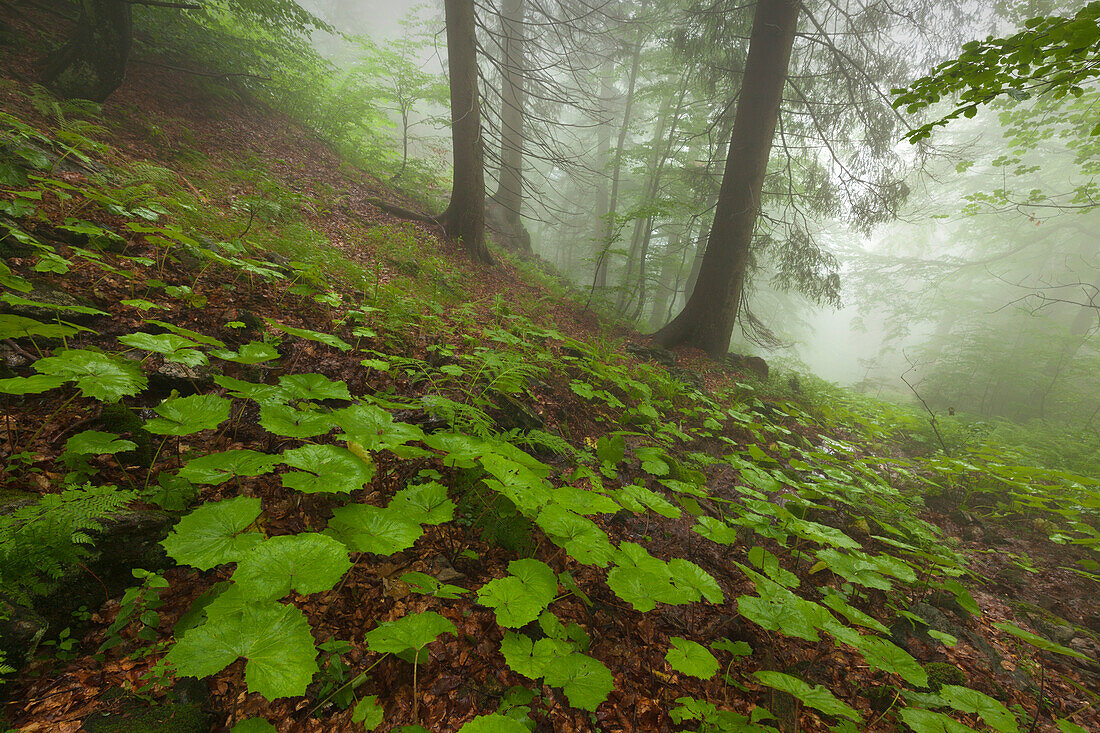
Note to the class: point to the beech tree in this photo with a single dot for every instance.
(707, 320)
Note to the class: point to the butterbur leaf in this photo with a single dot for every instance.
(265, 394)
(423, 504)
(188, 415)
(519, 598)
(214, 533)
(691, 658)
(965, 700)
(888, 657)
(18, 327)
(99, 376)
(531, 658)
(275, 639)
(254, 725)
(816, 697)
(326, 468)
(778, 609)
(611, 449)
(716, 530)
(686, 574)
(188, 333)
(636, 497)
(1038, 641)
(313, 387)
(34, 384)
(583, 501)
(169, 345)
(306, 562)
(254, 352)
(96, 443)
(928, 721)
(408, 633)
(291, 423)
(368, 712)
(586, 682)
(579, 536)
(495, 723)
(424, 583)
(836, 602)
(1065, 725)
(217, 468)
(305, 333)
(373, 428)
(962, 595)
(366, 528)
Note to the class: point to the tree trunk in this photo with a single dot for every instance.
(609, 229)
(509, 196)
(709, 316)
(464, 218)
(669, 270)
(92, 63)
(603, 193)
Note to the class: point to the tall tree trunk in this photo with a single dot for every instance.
(92, 63)
(709, 316)
(1084, 322)
(464, 218)
(509, 195)
(669, 270)
(603, 193)
(612, 207)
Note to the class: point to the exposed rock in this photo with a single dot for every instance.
(514, 414)
(48, 295)
(186, 380)
(753, 364)
(652, 353)
(119, 419)
(21, 629)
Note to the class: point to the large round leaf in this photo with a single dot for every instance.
(519, 598)
(217, 468)
(275, 639)
(408, 633)
(423, 504)
(313, 387)
(579, 536)
(188, 415)
(366, 528)
(326, 468)
(585, 681)
(816, 697)
(691, 658)
(215, 533)
(306, 563)
(291, 423)
(100, 376)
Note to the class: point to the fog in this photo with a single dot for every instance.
(965, 270)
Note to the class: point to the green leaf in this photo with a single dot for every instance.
(254, 725)
(965, 700)
(373, 428)
(314, 387)
(305, 333)
(34, 384)
(639, 496)
(531, 658)
(962, 595)
(96, 443)
(291, 423)
(424, 583)
(927, 721)
(888, 657)
(275, 639)
(1065, 725)
(325, 468)
(691, 658)
(99, 376)
(837, 602)
(217, 468)
(412, 632)
(778, 609)
(423, 504)
(579, 536)
(18, 327)
(716, 530)
(583, 501)
(1038, 641)
(188, 415)
(214, 533)
(816, 697)
(265, 394)
(368, 712)
(687, 574)
(306, 562)
(172, 347)
(188, 333)
(611, 449)
(254, 352)
(519, 598)
(495, 723)
(586, 682)
(366, 528)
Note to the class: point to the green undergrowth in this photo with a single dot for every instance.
(442, 432)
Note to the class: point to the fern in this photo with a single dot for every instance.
(40, 541)
(540, 438)
(461, 417)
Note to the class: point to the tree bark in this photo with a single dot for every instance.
(603, 193)
(509, 195)
(670, 268)
(709, 316)
(609, 227)
(464, 218)
(92, 63)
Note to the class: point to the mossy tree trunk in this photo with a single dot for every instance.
(92, 63)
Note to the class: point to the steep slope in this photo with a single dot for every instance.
(416, 491)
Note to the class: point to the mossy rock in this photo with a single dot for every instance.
(119, 419)
(942, 673)
(165, 718)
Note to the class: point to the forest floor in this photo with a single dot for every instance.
(182, 209)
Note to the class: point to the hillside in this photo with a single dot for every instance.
(399, 489)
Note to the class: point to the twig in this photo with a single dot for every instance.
(932, 415)
(1042, 699)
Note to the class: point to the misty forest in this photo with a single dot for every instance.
(728, 366)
